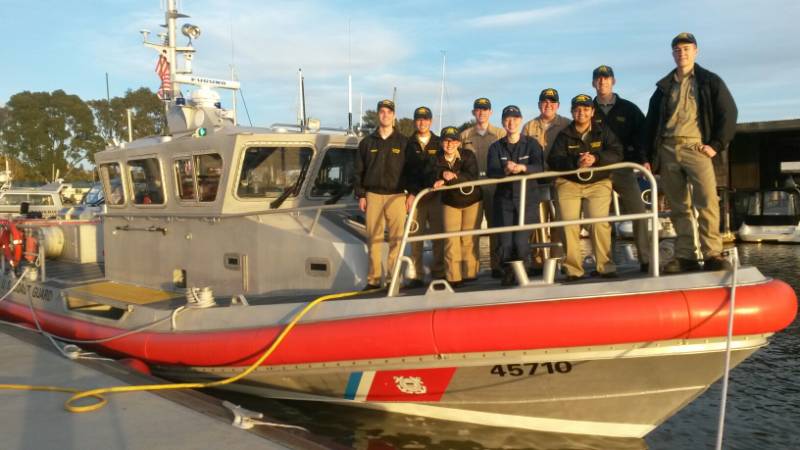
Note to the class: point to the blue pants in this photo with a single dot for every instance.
(515, 245)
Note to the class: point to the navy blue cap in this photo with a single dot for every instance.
(423, 112)
(548, 94)
(450, 133)
(602, 71)
(684, 38)
(511, 111)
(582, 100)
(386, 104)
(482, 103)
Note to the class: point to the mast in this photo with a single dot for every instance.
(441, 92)
(349, 83)
(171, 18)
(302, 111)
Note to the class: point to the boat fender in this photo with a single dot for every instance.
(11, 243)
(31, 246)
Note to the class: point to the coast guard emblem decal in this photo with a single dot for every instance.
(410, 385)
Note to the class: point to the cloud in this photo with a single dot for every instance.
(528, 16)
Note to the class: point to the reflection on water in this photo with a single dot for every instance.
(763, 404)
(763, 410)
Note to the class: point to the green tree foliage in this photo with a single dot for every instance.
(112, 119)
(467, 124)
(49, 131)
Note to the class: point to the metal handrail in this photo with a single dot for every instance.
(652, 216)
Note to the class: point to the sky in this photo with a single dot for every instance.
(507, 51)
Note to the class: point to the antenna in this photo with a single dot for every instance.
(108, 111)
(302, 100)
(361, 112)
(441, 93)
(349, 82)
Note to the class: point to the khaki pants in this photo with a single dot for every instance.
(681, 164)
(598, 201)
(545, 235)
(429, 218)
(461, 253)
(630, 202)
(384, 211)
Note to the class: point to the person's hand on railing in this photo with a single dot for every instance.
(438, 184)
(449, 176)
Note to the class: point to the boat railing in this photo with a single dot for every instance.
(651, 215)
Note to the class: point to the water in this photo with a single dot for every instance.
(763, 404)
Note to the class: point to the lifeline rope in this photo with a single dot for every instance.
(731, 311)
(99, 392)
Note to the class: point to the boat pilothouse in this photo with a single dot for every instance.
(264, 217)
(203, 204)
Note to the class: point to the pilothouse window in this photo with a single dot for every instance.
(269, 171)
(204, 183)
(111, 175)
(335, 177)
(148, 188)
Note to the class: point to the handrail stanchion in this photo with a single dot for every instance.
(394, 287)
(522, 195)
(655, 267)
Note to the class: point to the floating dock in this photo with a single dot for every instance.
(183, 419)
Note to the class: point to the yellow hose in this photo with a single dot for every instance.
(99, 392)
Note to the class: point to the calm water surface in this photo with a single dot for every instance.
(763, 403)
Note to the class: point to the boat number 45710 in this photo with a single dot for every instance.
(518, 370)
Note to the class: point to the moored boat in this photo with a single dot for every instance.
(217, 235)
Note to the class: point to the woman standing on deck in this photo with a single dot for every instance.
(462, 207)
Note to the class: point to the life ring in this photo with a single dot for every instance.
(11, 243)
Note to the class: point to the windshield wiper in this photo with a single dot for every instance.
(293, 189)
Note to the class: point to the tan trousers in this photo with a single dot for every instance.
(384, 211)
(461, 253)
(429, 218)
(598, 202)
(630, 202)
(680, 165)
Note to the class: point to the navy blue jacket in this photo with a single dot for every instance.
(527, 151)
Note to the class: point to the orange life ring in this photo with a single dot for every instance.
(11, 243)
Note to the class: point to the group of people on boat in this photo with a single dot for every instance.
(691, 118)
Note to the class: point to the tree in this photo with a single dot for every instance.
(112, 118)
(48, 132)
(468, 124)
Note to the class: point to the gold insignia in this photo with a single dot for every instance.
(396, 151)
(431, 152)
(373, 150)
(620, 119)
(550, 92)
(596, 144)
(482, 101)
(574, 146)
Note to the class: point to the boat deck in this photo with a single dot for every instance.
(87, 281)
(142, 420)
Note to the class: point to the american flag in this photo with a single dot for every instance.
(162, 69)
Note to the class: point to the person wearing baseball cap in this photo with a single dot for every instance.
(512, 155)
(626, 120)
(690, 121)
(583, 145)
(478, 138)
(544, 128)
(425, 145)
(461, 207)
(381, 174)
